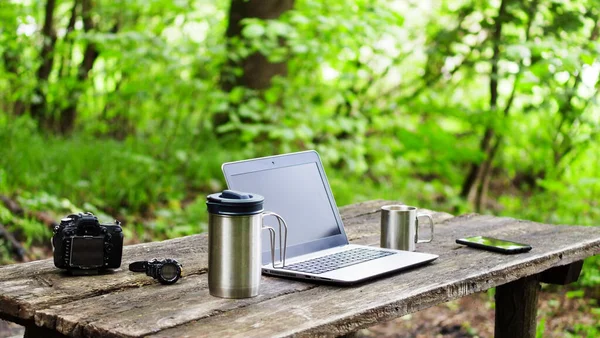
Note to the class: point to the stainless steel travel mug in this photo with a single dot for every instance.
(400, 227)
(235, 222)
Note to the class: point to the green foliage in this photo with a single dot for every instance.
(129, 180)
(541, 328)
(133, 174)
(588, 331)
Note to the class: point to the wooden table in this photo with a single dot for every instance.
(125, 304)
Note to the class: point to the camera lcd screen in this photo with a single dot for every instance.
(87, 251)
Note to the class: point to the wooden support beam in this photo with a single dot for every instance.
(562, 275)
(516, 308)
(34, 331)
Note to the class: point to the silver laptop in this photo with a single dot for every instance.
(295, 187)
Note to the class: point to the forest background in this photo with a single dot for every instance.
(127, 108)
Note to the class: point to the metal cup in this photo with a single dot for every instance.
(400, 227)
(235, 223)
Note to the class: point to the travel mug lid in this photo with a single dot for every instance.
(234, 203)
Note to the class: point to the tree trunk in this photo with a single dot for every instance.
(68, 40)
(561, 147)
(11, 63)
(257, 70)
(486, 168)
(473, 186)
(69, 114)
(475, 173)
(39, 108)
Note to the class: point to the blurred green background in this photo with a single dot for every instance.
(127, 108)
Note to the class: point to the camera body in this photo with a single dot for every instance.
(80, 242)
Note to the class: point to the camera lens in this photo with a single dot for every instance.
(169, 271)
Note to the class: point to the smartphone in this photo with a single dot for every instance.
(494, 244)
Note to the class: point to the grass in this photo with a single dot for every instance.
(157, 193)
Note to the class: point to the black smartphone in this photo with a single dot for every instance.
(494, 244)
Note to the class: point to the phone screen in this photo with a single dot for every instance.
(494, 242)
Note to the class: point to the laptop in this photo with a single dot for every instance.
(295, 187)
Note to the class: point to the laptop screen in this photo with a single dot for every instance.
(294, 186)
(297, 194)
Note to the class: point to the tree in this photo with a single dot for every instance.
(254, 71)
(535, 62)
(90, 54)
(39, 108)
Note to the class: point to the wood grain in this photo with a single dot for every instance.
(516, 308)
(562, 275)
(332, 311)
(125, 304)
(138, 312)
(25, 288)
(28, 287)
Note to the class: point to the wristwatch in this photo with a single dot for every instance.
(167, 271)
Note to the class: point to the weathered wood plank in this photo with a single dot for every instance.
(27, 287)
(129, 304)
(24, 288)
(332, 311)
(31, 288)
(516, 308)
(451, 284)
(562, 275)
(138, 312)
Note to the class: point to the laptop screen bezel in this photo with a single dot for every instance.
(231, 169)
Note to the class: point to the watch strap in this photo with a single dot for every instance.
(139, 266)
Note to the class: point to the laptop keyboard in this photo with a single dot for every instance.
(337, 260)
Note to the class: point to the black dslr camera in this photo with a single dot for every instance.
(82, 244)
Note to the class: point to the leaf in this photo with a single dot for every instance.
(246, 111)
(236, 95)
(588, 58)
(272, 95)
(253, 30)
(299, 48)
(279, 28)
(282, 133)
(575, 294)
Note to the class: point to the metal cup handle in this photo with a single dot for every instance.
(282, 249)
(272, 237)
(417, 240)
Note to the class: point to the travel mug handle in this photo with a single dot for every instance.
(272, 237)
(282, 249)
(417, 235)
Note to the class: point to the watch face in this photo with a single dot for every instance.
(169, 271)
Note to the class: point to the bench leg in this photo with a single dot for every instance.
(34, 331)
(516, 302)
(516, 308)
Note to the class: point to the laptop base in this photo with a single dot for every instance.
(361, 272)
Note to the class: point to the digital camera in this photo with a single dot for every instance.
(80, 242)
